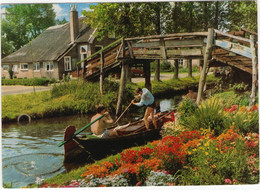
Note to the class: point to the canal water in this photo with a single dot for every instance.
(30, 150)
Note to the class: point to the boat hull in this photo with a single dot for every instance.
(88, 150)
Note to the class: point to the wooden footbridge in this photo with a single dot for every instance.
(214, 48)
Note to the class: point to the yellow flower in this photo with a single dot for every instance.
(214, 166)
(233, 123)
(189, 153)
(221, 152)
(216, 148)
(194, 149)
(206, 153)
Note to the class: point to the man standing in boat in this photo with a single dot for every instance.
(147, 99)
(98, 128)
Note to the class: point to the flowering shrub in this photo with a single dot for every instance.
(245, 119)
(159, 178)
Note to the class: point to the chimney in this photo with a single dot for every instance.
(74, 23)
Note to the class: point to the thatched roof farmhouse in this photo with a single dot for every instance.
(54, 52)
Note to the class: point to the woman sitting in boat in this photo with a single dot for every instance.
(147, 99)
(98, 128)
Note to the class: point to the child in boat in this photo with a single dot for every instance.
(147, 99)
(98, 128)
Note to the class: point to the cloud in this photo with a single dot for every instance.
(60, 12)
(88, 9)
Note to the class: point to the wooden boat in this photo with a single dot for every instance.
(91, 148)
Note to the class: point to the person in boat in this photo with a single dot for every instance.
(191, 95)
(98, 128)
(146, 98)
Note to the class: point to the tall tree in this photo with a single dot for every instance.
(24, 22)
(242, 14)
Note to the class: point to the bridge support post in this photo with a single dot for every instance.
(176, 69)
(122, 86)
(147, 75)
(254, 70)
(190, 67)
(207, 56)
(157, 71)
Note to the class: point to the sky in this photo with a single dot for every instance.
(61, 9)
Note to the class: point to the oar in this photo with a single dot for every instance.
(123, 113)
(79, 131)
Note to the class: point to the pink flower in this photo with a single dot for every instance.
(138, 184)
(234, 180)
(228, 181)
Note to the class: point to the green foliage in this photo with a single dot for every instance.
(242, 14)
(246, 122)
(210, 167)
(240, 87)
(27, 82)
(8, 185)
(230, 98)
(209, 115)
(23, 22)
(186, 108)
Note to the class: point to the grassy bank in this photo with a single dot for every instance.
(78, 97)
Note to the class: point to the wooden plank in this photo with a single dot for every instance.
(235, 64)
(233, 47)
(162, 48)
(185, 52)
(168, 35)
(129, 44)
(248, 31)
(185, 43)
(146, 52)
(145, 44)
(231, 36)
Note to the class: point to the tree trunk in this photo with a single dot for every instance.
(128, 74)
(190, 67)
(147, 75)
(121, 88)
(157, 71)
(207, 56)
(176, 69)
(254, 68)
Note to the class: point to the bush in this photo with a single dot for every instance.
(244, 120)
(240, 87)
(26, 82)
(209, 115)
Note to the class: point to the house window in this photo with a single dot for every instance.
(5, 68)
(48, 66)
(15, 68)
(83, 49)
(36, 66)
(180, 62)
(24, 66)
(67, 63)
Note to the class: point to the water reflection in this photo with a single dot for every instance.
(31, 150)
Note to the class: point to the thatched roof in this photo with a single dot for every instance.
(51, 44)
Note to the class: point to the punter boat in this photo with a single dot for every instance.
(91, 148)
